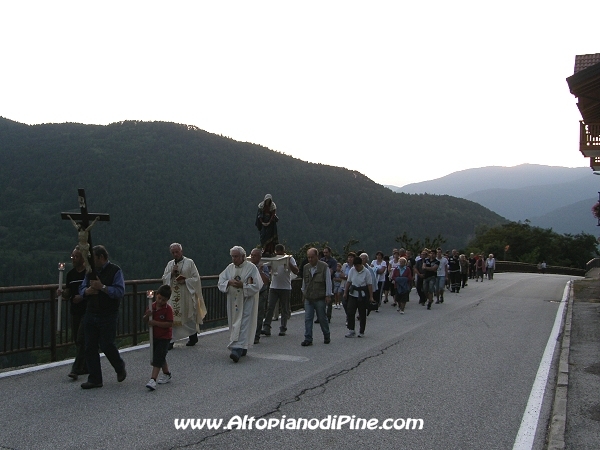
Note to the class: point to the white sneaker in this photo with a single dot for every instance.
(350, 334)
(401, 312)
(151, 384)
(164, 378)
(360, 335)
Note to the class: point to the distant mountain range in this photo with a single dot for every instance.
(549, 197)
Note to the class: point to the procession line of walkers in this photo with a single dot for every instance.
(360, 286)
(257, 289)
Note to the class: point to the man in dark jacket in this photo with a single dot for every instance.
(317, 291)
(103, 290)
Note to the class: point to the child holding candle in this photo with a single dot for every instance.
(162, 328)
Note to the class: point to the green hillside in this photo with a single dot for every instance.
(164, 182)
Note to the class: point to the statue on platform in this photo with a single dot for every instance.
(83, 246)
(266, 222)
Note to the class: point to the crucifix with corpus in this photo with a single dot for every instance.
(84, 228)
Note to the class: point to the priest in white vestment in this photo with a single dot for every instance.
(241, 282)
(186, 295)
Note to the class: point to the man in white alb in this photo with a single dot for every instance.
(241, 282)
(186, 295)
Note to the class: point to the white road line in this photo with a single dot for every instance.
(65, 362)
(279, 357)
(529, 423)
(12, 373)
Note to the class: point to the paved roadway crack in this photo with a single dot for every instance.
(298, 397)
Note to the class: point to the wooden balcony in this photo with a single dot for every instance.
(589, 140)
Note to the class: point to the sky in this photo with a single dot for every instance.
(401, 91)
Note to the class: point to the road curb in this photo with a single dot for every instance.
(558, 422)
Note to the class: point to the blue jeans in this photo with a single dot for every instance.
(309, 314)
(440, 286)
(100, 331)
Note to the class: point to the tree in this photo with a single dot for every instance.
(517, 241)
(415, 246)
(348, 247)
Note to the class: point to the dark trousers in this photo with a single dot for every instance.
(160, 348)
(79, 365)
(377, 294)
(422, 295)
(262, 310)
(463, 279)
(454, 281)
(101, 330)
(355, 303)
(283, 297)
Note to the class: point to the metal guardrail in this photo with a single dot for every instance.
(513, 266)
(28, 318)
(592, 264)
(28, 314)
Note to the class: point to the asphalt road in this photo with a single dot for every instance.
(466, 368)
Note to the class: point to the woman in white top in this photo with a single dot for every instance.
(490, 266)
(358, 293)
(380, 266)
(394, 263)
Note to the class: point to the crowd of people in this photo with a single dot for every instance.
(258, 290)
(359, 286)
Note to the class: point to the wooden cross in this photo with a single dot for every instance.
(84, 222)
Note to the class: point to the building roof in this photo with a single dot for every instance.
(585, 61)
(585, 85)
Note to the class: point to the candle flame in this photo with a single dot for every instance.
(150, 294)
(61, 266)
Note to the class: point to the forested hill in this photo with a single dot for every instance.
(165, 182)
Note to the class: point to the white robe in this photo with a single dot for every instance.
(186, 298)
(242, 304)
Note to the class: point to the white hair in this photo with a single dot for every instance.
(237, 248)
(175, 244)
